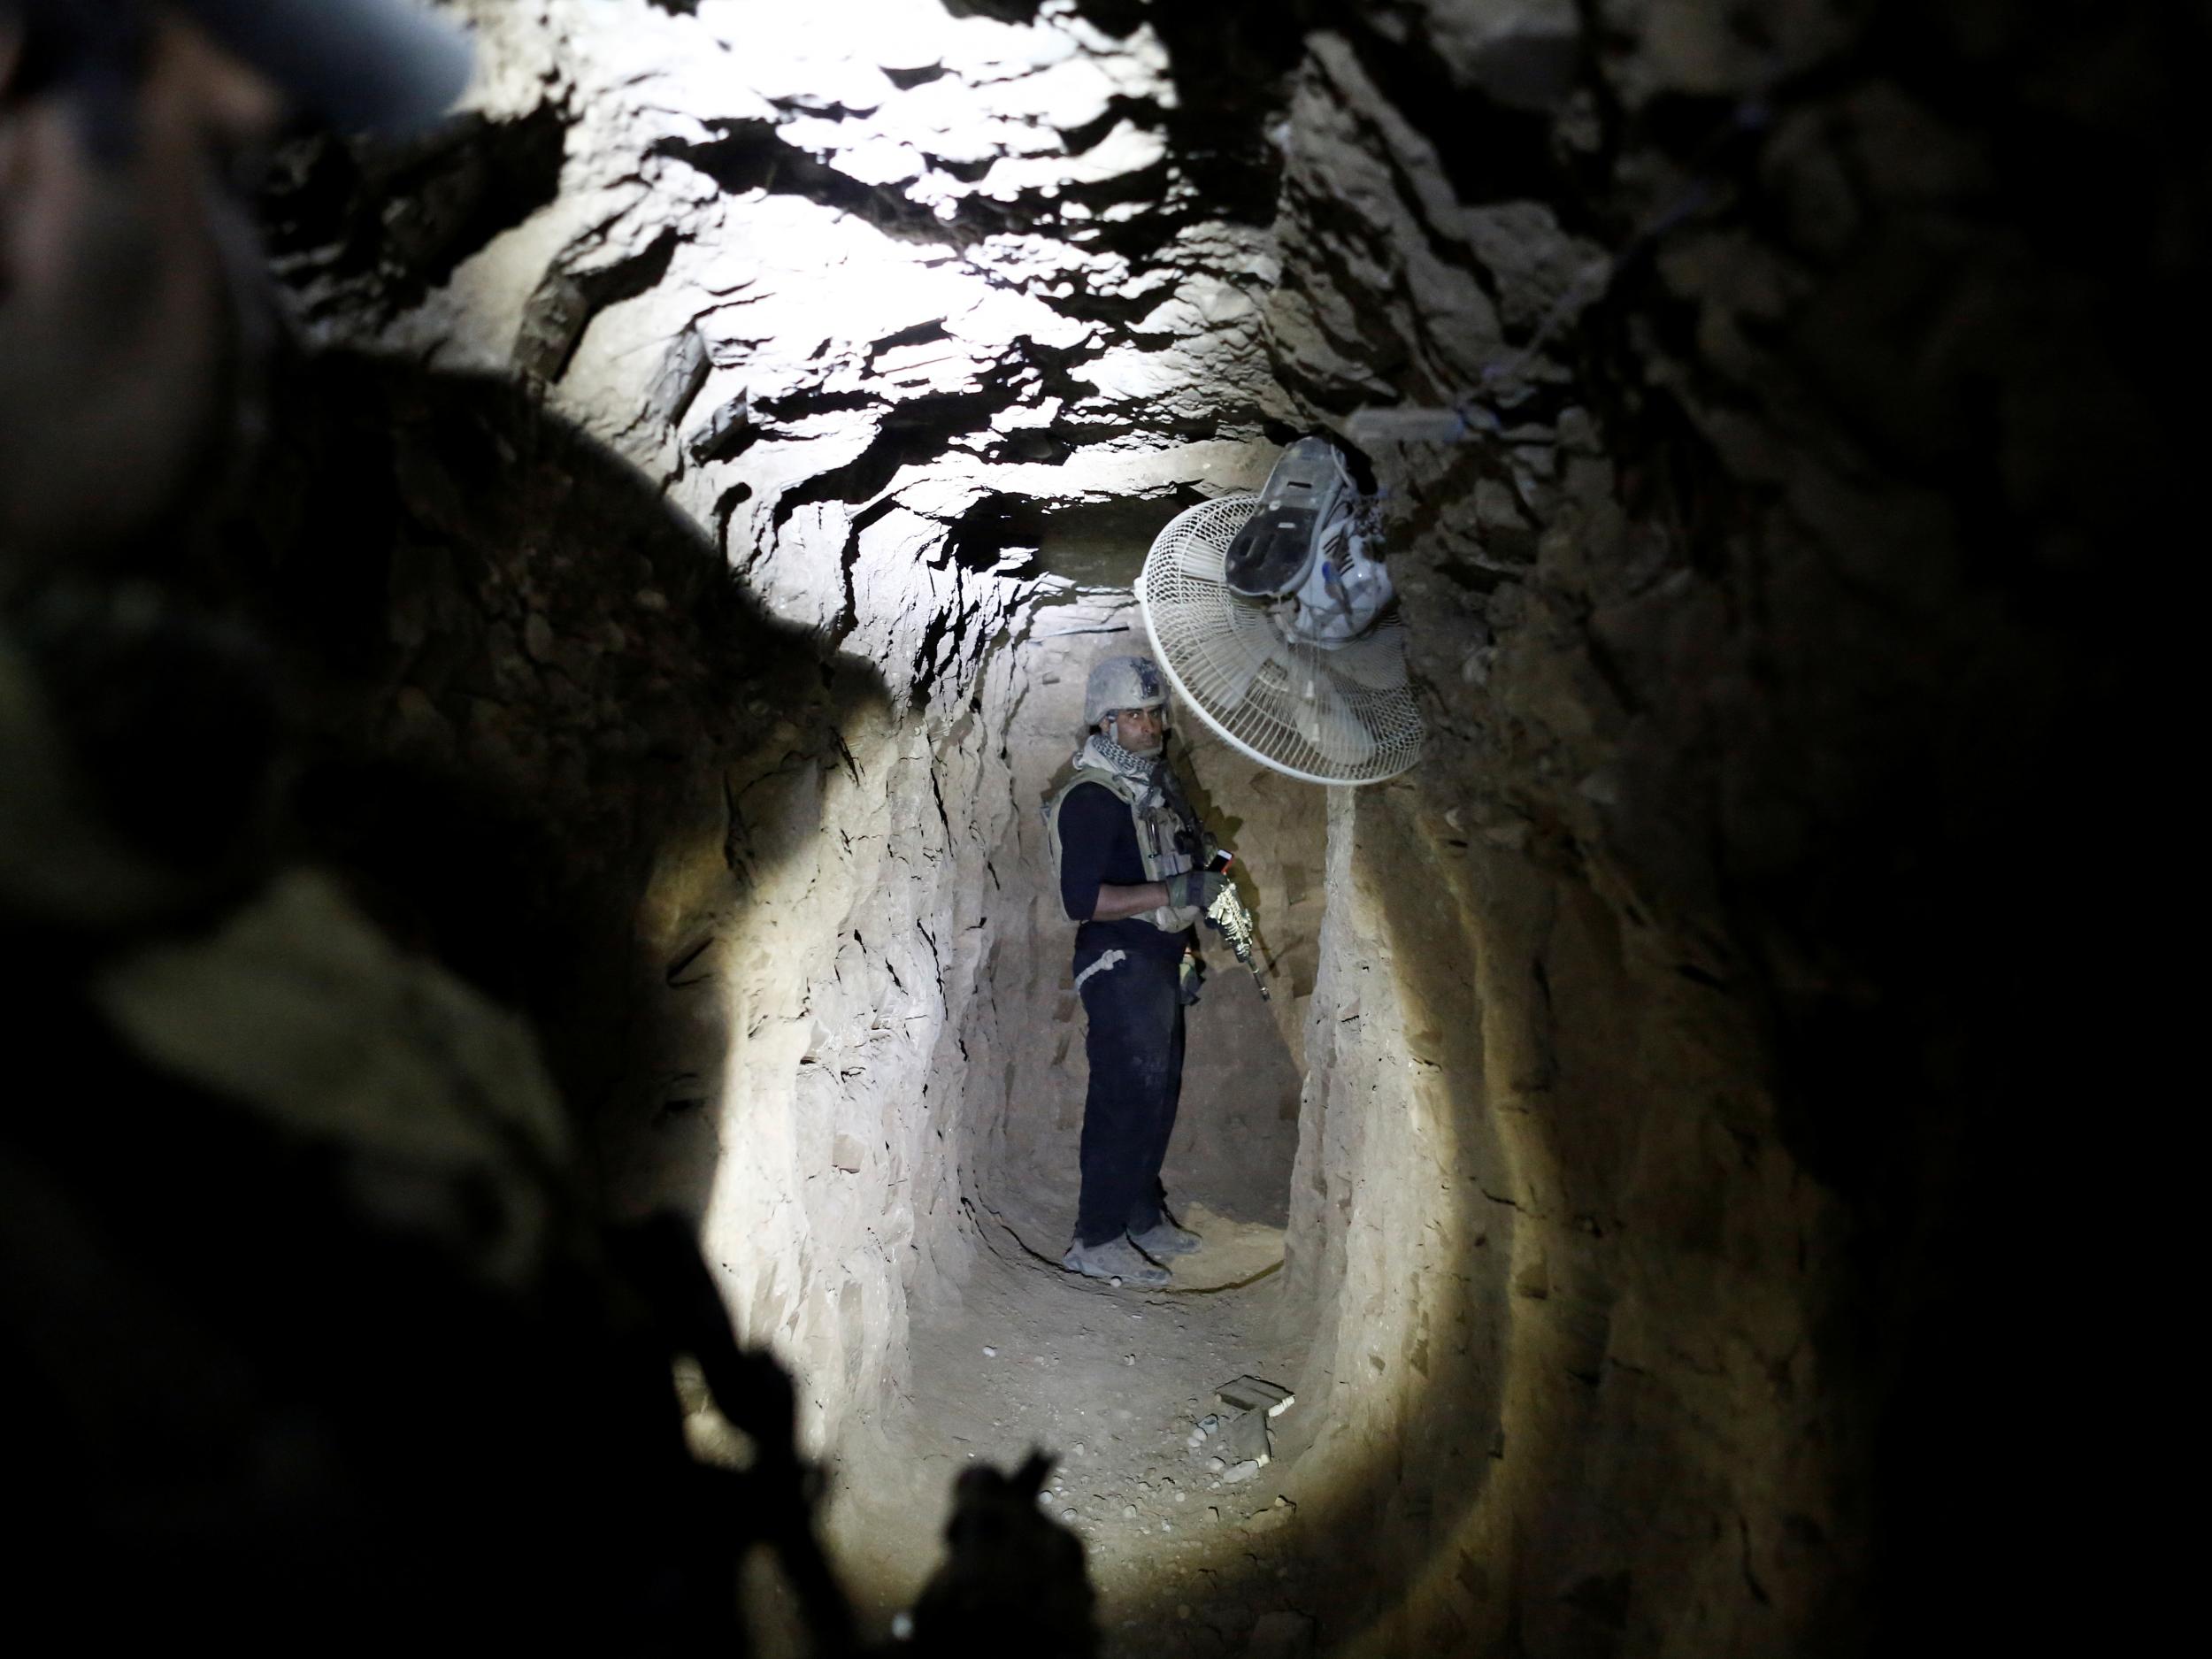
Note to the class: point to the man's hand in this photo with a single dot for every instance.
(1195, 889)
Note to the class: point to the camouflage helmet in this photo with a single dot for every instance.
(1123, 682)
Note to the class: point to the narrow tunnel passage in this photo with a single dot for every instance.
(1552, 1221)
(1020, 1354)
(699, 482)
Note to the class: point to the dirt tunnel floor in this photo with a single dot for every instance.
(1184, 1560)
(1185, 1557)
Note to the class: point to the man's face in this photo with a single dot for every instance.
(1139, 731)
(123, 284)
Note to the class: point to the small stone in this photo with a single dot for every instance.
(1127, 1359)
(537, 638)
(1208, 1424)
(1128, 1511)
(1067, 1515)
(1214, 1465)
(1244, 1471)
(990, 1353)
(1076, 1450)
(1167, 1526)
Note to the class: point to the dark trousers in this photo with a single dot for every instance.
(1135, 1040)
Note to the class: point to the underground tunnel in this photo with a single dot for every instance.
(701, 475)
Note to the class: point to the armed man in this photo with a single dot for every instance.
(1130, 855)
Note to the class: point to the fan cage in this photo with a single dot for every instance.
(1345, 715)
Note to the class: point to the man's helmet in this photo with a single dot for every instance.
(1123, 682)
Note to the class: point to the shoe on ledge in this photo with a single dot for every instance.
(1116, 1258)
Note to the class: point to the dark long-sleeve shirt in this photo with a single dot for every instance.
(1098, 847)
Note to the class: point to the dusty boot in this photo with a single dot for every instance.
(1116, 1258)
(1164, 1238)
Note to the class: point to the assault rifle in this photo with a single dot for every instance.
(1231, 920)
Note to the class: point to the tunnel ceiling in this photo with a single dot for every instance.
(875, 304)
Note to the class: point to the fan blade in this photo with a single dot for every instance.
(1254, 646)
(1197, 556)
(1376, 663)
(1218, 651)
(1327, 722)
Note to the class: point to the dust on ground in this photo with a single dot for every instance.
(1188, 1555)
(1114, 1380)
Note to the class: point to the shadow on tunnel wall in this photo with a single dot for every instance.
(530, 700)
(310, 1215)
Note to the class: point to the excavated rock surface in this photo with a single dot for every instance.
(880, 317)
(1631, 1233)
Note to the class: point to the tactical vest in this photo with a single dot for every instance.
(1157, 825)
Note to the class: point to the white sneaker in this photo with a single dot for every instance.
(1116, 1258)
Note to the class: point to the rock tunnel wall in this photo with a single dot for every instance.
(1647, 1017)
(1562, 1301)
(870, 395)
(875, 397)
(553, 744)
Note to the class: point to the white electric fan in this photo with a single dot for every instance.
(1276, 625)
